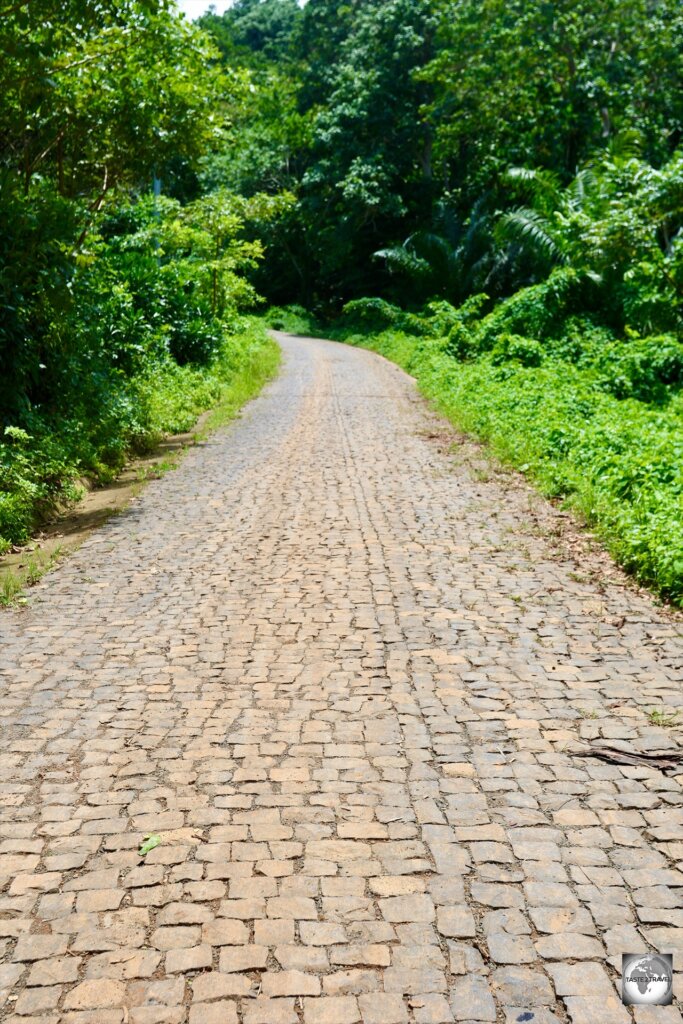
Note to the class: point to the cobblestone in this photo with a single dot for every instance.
(341, 666)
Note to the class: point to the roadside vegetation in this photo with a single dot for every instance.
(254, 360)
(123, 282)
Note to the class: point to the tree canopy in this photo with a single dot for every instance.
(393, 118)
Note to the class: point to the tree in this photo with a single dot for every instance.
(370, 167)
(257, 28)
(546, 84)
(96, 97)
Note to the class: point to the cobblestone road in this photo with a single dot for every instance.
(342, 675)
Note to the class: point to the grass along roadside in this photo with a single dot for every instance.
(615, 463)
(22, 567)
(14, 581)
(259, 367)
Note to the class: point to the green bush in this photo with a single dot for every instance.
(374, 314)
(513, 347)
(294, 319)
(142, 338)
(648, 369)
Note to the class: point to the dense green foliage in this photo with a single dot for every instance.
(120, 310)
(396, 123)
(42, 463)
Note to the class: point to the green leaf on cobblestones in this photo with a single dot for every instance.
(150, 843)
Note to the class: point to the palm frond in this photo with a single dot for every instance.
(435, 249)
(543, 186)
(400, 258)
(531, 230)
(627, 145)
(581, 188)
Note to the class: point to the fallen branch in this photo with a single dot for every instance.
(663, 760)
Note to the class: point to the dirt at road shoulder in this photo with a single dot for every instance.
(67, 530)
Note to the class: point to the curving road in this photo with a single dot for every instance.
(341, 671)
